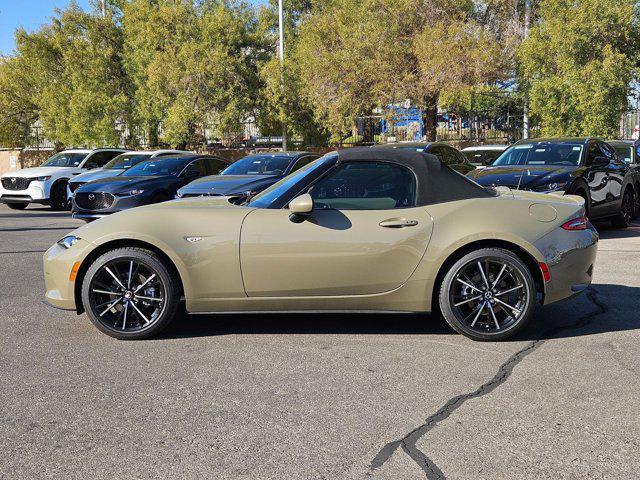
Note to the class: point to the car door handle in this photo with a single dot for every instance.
(398, 223)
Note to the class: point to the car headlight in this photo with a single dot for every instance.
(130, 193)
(550, 187)
(43, 179)
(68, 241)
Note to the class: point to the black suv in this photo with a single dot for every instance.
(588, 167)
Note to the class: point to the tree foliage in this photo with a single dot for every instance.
(578, 63)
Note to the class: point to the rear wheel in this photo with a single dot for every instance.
(489, 294)
(17, 206)
(627, 209)
(129, 293)
(59, 199)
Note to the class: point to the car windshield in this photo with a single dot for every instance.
(269, 195)
(65, 160)
(162, 166)
(126, 160)
(624, 152)
(259, 165)
(541, 154)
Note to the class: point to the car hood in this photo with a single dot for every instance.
(229, 184)
(96, 174)
(525, 176)
(39, 172)
(120, 183)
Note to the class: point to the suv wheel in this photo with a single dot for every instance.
(59, 199)
(627, 209)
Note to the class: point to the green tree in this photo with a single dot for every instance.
(19, 112)
(192, 63)
(355, 55)
(79, 85)
(577, 65)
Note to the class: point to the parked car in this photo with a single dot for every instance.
(358, 229)
(629, 151)
(151, 181)
(47, 184)
(483, 155)
(249, 175)
(118, 165)
(588, 167)
(446, 153)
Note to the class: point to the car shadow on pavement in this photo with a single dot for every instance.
(604, 308)
(607, 231)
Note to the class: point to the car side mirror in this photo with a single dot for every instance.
(300, 208)
(600, 162)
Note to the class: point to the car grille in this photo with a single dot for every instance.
(16, 183)
(73, 186)
(94, 200)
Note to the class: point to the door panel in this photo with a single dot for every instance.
(333, 252)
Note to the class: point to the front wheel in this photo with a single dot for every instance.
(59, 200)
(129, 293)
(488, 294)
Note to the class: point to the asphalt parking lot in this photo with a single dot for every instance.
(317, 396)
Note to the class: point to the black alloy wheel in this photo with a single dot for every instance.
(488, 294)
(627, 210)
(129, 293)
(59, 200)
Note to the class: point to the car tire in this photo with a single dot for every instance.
(627, 208)
(489, 304)
(131, 316)
(59, 200)
(17, 206)
(637, 201)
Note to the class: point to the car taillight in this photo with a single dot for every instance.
(578, 223)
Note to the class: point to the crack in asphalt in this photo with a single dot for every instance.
(409, 441)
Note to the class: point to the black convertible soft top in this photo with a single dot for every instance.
(436, 182)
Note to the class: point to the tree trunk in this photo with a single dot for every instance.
(430, 116)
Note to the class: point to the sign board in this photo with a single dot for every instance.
(13, 161)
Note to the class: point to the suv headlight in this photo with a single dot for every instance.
(43, 179)
(68, 241)
(130, 193)
(550, 187)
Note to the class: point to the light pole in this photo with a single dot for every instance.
(281, 53)
(525, 113)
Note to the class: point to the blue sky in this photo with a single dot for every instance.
(30, 14)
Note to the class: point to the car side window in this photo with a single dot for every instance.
(594, 151)
(98, 159)
(608, 152)
(365, 186)
(437, 151)
(215, 165)
(301, 162)
(197, 168)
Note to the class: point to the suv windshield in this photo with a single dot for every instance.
(163, 166)
(541, 154)
(259, 165)
(624, 152)
(65, 160)
(126, 160)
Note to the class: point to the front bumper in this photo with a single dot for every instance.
(57, 265)
(36, 192)
(570, 256)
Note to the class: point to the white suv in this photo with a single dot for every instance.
(47, 184)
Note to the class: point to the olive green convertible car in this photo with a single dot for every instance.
(375, 230)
